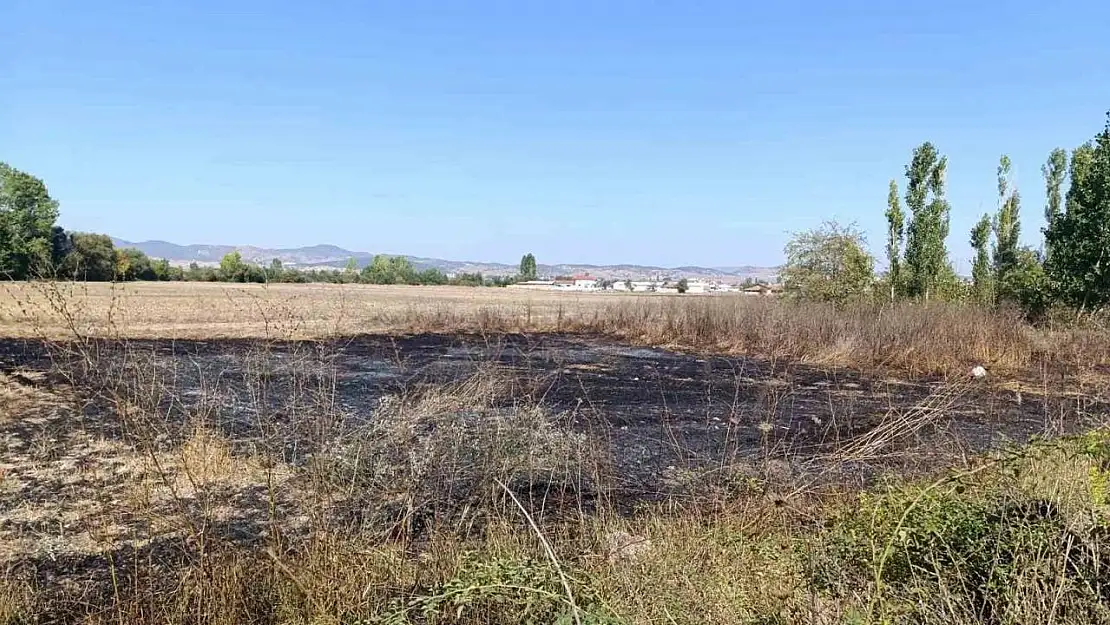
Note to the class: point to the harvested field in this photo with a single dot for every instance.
(204, 310)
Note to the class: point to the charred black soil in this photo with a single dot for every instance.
(105, 456)
(655, 409)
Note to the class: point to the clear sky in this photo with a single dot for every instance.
(663, 132)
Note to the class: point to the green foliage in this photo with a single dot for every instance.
(528, 267)
(1096, 447)
(389, 270)
(503, 590)
(27, 216)
(61, 246)
(829, 263)
(468, 279)
(232, 267)
(926, 251)
(132, 264)
(1078, 267)
(93, 258)
(895, 220)
(431, 276)
(1026, 284)
(982, 275)
(963, 548)
(1054, 171)
(1007, 224)
(683, 285)
(276, 271)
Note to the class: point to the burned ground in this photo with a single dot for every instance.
(116, 451)
(654, 408)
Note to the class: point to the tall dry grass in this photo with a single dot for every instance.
(911, 336)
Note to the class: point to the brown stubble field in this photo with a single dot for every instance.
(212, 453)
(304, 311)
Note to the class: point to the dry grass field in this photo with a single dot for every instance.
(221, 310)
(911, 337)
(219, 454)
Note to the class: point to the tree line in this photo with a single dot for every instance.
(33, 246)
(1071, 269)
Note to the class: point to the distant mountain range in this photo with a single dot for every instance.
(337, 257)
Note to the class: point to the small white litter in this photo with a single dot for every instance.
(979, 372)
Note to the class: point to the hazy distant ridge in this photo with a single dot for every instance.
(333, 256)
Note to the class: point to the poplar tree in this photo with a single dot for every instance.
(895, 220)
(1007, 224)
(926, 253)
(982, 275)
(1079, 266)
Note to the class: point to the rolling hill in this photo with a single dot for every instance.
(333, 256)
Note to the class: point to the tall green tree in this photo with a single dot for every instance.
(982, 274)
(61, 246)
(377, 271)
(926, 256)
(528, 267)
(1078, 268)
(232, 267)
(895, 220)
(1007, 224)
(132, 264)
(27, 216)
(1055, 170)
(389, 270)
(93, 258)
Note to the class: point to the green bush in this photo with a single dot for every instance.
(929, 554)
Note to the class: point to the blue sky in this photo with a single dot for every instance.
(663, 132)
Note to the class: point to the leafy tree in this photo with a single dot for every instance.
(926, 253)
(164, 271)
(232, 267)
(253, 273)
(1007, 226)
(401, 270)
(528, 267)
(351, 266)
(829, 263)
(27, 216)
(1078, 267)
(1026, 284)
(628, 285)
(93, 258)
(982, 274)
(431, 276)
(468, 279)
(683, 285)
(378, 271)
(1054, 170)
(895, 220)
(276, 271)
(132, 264)
(61, 246)
(949, 286)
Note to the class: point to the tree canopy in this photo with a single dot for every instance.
(1078, 268)
(829, 263)
(27, 216)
